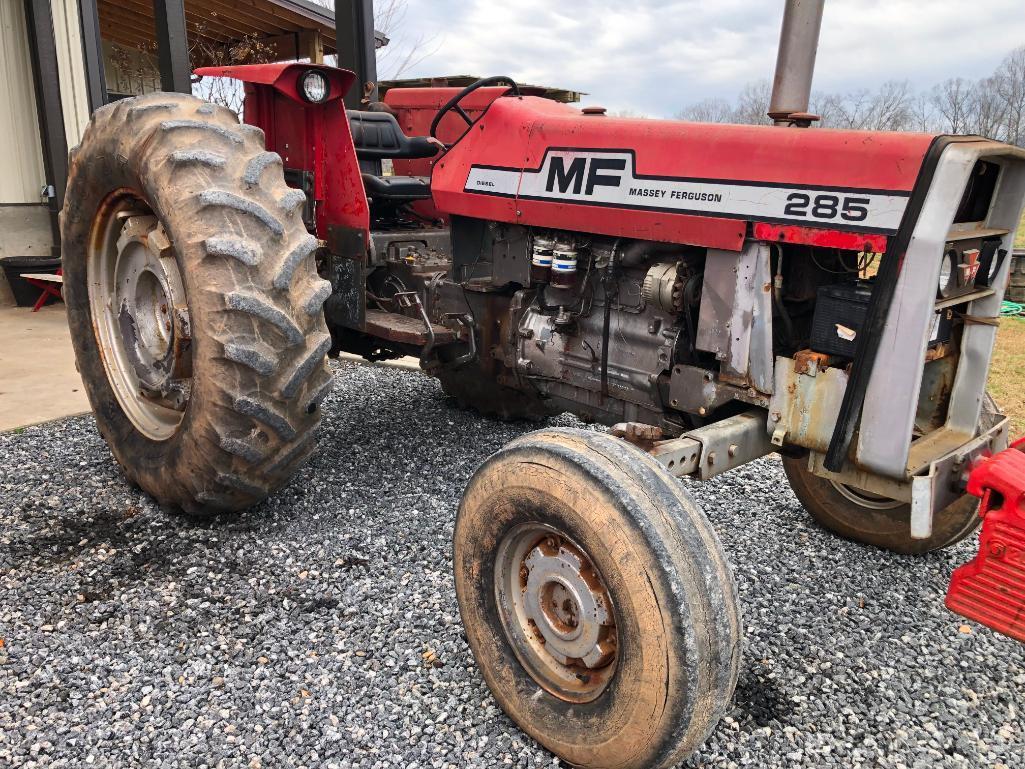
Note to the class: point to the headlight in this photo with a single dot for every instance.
(991, 259)
(314, 86)
(948, 285)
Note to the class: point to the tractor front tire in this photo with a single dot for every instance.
(194, 302)
(597, 601)
(872, 520)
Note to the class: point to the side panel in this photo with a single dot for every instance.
(735, 317)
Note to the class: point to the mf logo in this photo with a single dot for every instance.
(584, 173)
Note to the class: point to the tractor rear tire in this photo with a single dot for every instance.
(877, 521)
(597, 600)
(177, 185)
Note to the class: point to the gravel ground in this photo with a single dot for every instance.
(321, 628)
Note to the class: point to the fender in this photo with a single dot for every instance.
(313, 140)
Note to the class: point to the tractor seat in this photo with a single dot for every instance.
(377, 136)
(397, 188)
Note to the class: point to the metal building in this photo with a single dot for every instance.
(61, 59)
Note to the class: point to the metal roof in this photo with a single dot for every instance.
(130, 22)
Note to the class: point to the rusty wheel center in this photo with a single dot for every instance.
(148, 308)
(866, 499)
(141, 317)
(556, 612)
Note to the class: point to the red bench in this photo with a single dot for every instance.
(49, 284)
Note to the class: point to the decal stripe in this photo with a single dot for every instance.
(607, 178)
(604, 151)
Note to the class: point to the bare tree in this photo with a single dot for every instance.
(924, 115)
(708, 111)
(1009, 85)
(405, 48)
(203, 52)
(751, 107)
(992, 107)
(987, 110)
(953, 100)
(753, 104)
(891, 108)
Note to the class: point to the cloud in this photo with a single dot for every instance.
(654, 57)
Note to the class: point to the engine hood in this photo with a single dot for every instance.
(533, 161)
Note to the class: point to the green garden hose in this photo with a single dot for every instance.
(1012, 310)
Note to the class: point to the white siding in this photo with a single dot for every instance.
(21, 158)
(67, 32)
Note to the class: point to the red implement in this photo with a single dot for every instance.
(991, 588)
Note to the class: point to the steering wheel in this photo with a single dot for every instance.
(453, 103)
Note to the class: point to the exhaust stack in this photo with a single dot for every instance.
(795, 63)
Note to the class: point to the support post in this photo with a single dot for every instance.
(43, 49)
(92, 50)
(357, 48)
(795, 62)
(172, 46)
(311, 45)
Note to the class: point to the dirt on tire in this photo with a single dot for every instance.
(255, 300)
(677, 618)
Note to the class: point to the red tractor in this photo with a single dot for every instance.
(709, 291)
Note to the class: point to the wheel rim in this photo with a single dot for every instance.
(140, 314)
(556, 612)
(866, 499)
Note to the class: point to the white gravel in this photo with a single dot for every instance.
(321, 628)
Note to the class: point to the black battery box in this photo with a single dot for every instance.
(840, 311)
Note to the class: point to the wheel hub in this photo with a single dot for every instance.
(569, 609)
(141, 316)
(152, 315)
(556, 612)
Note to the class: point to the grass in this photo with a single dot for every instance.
(1007, 375)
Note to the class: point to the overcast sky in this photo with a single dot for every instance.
(654, 57)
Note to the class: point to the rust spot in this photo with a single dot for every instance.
(641, 435)
(805, 358)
